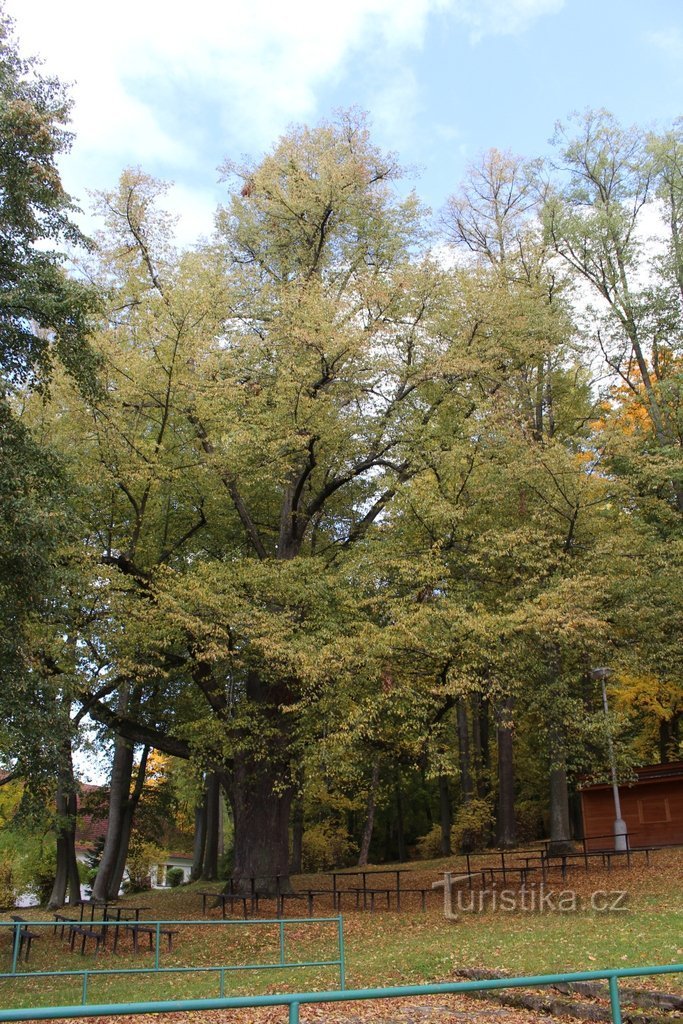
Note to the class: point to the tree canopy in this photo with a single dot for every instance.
(343, 513)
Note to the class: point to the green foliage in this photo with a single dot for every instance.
(29, 859)
(174, 877)
(7, 887)
(141, 856)
(530, 825)
(327, 845)
(42, 311)
(332, 492)
(428, 846)
(473, 826)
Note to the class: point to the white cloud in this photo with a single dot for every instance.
(197, 208)
(502, 17)
(395, 106)
(146, 73)
(669, 41)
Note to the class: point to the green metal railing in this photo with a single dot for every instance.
(159, 926)
(295, 1000)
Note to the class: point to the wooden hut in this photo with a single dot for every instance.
(652, 808)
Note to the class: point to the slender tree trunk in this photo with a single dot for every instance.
(480, 739)
(297, 836)
(539, 426)
(668, 738)
(506, 826)
(369, 816)
(127, 819)
(122, 770)
(560, 828)
(400, 826)
(466, 785)
(66, 876)
(445, 815)
(199, 838)
(210, 865)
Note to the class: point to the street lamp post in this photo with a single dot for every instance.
(619, 828)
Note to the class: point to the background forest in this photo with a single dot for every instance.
(340, 509)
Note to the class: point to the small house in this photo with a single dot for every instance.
(651, 806)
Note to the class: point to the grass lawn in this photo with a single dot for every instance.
(388, 947)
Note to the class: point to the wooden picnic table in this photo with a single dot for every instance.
(94, 905)
(150, 930)
(231, 898)
(510, 869)
(122, 914)
(363, 889)
(605, 850)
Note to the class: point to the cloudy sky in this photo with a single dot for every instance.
(177, 87)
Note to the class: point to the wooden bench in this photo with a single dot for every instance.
(85, 932)
(509, 869)
(62, 921)
(366, 893)
(301, 894)
(422, 893)
(150, 930)
(231, 898)
(26, 936)
(607, 854)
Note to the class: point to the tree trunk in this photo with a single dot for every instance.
(297, 836)
(199, 844)
(445, 816)
(261, 807)
(213, 795)
(261, 792)
(560, 829)
(369, 816)
(466, 786)
(66, 876)
(506, 827)
(127, 819)
(121, 774)
(400, 825)
(668, 738)
(480, 739)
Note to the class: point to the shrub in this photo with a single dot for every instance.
(7, 894)
(174, 877)
(473, 826)
(428, 847)
(140, 858)
(327, 845)
(529, 821)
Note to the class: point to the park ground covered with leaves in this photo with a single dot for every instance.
(390, 948)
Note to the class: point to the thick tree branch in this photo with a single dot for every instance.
(135, 731)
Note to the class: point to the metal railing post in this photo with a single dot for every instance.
(84, 989)
(293, 1013)
(615, 1005)
(342, 972)
(282, 942)
(156, 946)
(17, 946)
